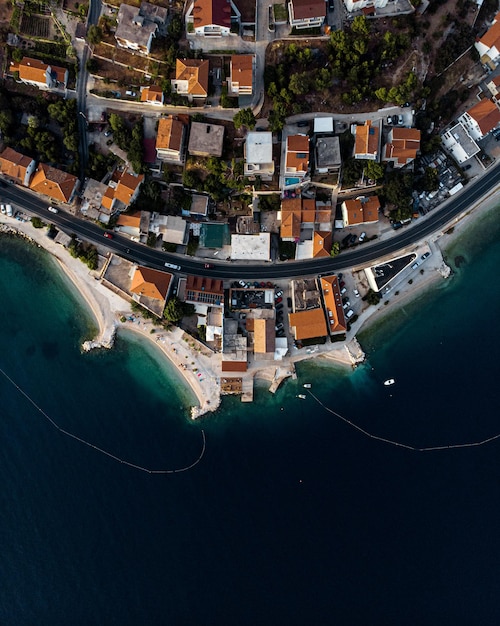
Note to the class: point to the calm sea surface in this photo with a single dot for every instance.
(292, 517)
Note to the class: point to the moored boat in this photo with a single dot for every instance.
(389, 381)
(307, 385)
(301, 396)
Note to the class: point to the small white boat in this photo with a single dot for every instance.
(389, 382)
(307, 385)
(301, 396)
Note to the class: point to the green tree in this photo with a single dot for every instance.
(374, 170)
(175, 310)
(244, 117)
(335, 248)
(94, 35)
(360, 25)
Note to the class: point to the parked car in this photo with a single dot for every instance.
(132, 94)
(331, 5)
(242, 283)
(278, 294)
(278, 300)
(279, 306)
(302, 123)
(346, 305)
(108, 235)
(389, 120)
(343, 291)
(108, 132)
(426, 255)
(467, 167)
(342, 284)
(356, 293)
(362, 237)
(208, 265)
(289, 302)
(400, 120)
(173, 266)
(349, 314)
(396, 225)
(3, 209)
(279, 327)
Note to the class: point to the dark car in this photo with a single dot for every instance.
(397, 225)
(208, 265)
(289, 302)
(467, 167)
(279, 306)
(302, 123)
(342, 283)
(108, 235)
(278, 299)
(331, 5)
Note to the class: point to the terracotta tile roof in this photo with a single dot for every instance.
(242, 69)
(333, 303)
(403, 145)
(297, 153)
(34, 70)
(307, 9)
(195, 72)
(366, 139)
(127, 186)
(53, 183)
(152, 94)
(169, 135)
(322, 244)
(206, 285)
(107, 199)
(207, 12)
(264, 336)
(150, 283)
(486, 114)
(132, 219)
(298, 143)
(308, 324)
(359, 212)
(491, 37)
(290, 226)
(14, 164)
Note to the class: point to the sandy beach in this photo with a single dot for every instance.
(199, 367)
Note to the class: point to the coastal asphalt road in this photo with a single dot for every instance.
(361, 255)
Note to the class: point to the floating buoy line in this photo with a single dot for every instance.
(101, 450)
(398, 444)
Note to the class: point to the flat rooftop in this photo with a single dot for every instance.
(328, 152)
(206, 139)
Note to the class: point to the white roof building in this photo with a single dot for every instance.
(259, 155)
(251, 247)
(323, 124)
(459, 143)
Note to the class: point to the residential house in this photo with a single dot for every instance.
(322, 244)
(264, 336)
(206, 139)
(488, 46)
(306, 13)
(54, 183)
(171, 228)
(402, 146)
(332, 300)
(304, 213)
(203, 290)
(129, 224)
(241, 75)
(212, 18)
(359, 5)
(191, 78)
(308, 324)
(39, 74)
(258, 152)
(481, 118)
(122, 190)
(137, 27)
(297, 155)
(494, 88)
(361, 210)
(150, 288)
(152, 95)
(367, 141)
(16, 166)
(328, 158)
(170, 139)
(459, 143)
(199, 206)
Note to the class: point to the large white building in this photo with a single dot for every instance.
(459, 143)
(480, 119)
(357, 5)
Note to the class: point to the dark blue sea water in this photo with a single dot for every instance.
(292, 517)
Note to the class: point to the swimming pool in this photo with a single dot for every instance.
(291, 181)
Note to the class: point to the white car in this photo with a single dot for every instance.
(349, 314)
(356, 293)
(362, 237)
(52, 209)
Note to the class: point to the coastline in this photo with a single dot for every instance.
(199, 367)
(441, 242)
